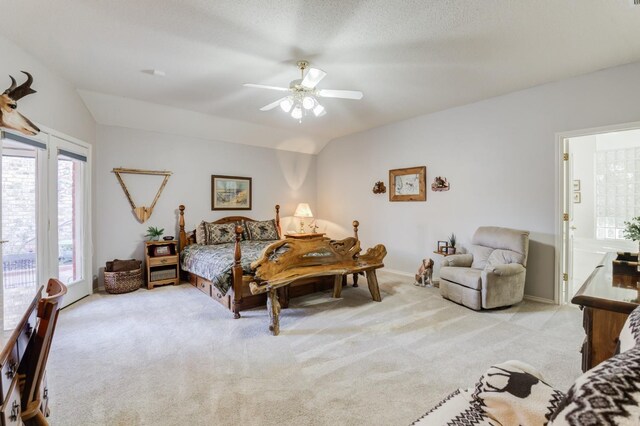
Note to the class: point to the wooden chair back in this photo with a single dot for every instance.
(37, 351)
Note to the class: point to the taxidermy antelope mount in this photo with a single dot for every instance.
(9, 116)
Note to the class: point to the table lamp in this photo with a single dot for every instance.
(302, 211)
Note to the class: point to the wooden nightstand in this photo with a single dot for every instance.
(308, 236)
(163, 263)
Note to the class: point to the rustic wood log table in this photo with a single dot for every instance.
(313, 258)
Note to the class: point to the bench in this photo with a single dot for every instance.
(289, 260)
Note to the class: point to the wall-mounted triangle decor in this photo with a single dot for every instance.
(142, 213)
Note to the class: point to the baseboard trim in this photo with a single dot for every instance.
(539, 299)
(395, 271)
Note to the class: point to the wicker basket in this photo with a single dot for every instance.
(123, 282)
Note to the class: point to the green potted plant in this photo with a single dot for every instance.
(632, 230)
(452, 243)
(154, 233)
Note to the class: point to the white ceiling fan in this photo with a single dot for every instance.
(303, 94)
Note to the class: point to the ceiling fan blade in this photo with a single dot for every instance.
(313, 77)
(262, 86)
(272, 105)
(343, 94)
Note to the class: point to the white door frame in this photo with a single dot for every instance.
(563, 197)
(68, 143)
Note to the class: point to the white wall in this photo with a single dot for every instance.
(499, 155)
(279, 177)
(56, 105)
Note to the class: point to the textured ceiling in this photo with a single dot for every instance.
(409, 57)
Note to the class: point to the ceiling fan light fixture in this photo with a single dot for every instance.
(308, 102)
(286, 104)
(303, 94)
(297, 112)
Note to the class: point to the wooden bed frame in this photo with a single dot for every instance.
(239, 297)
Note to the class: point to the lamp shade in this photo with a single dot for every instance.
(303, 210)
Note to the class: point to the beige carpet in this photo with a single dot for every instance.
(171, 356)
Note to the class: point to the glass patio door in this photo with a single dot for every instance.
(70, 238)
(22, 263)
(45, 222)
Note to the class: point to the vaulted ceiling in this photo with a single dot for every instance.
(409, 57)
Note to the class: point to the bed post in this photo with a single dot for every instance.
(355, 224)
(278, 220)
(237, 274)
(182, 239)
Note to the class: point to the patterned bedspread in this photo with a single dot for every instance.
(214, 262)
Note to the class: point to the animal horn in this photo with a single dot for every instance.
(13, 85)
(23, 90)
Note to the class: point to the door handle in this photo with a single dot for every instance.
(4, 241)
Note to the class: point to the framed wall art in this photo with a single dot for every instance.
(230, 193)
(408, 184)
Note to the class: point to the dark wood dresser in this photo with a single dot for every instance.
(606, 299)
(13, 344)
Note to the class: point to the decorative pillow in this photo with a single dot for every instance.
(220, 233)
(455, 409)
(201, 237)
(514, 393)
(608, 394)
(245, 234)
(262, 230)
(630, 333)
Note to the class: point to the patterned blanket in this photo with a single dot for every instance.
(214, 262)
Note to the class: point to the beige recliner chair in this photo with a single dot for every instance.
(491, 274)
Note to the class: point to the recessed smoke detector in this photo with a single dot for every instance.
(156, 72)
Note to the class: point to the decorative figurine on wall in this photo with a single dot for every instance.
(424, 277)
(10, 118)
(440, 184)
(379, 188)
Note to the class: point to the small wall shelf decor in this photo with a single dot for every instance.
(379, 188)
(142, 213)
(440, 184)
(408, 184)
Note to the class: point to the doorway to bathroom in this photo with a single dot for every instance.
(601, 191)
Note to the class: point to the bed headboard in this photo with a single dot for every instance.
(185, 240)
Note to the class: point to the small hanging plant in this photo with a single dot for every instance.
(154, 233)
(632, 229)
